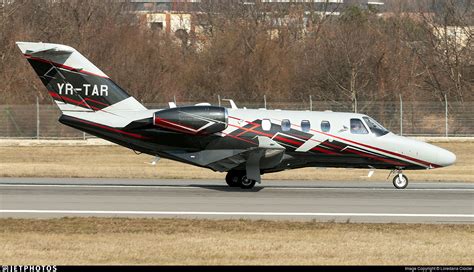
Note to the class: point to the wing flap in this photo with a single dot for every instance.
(268, 154)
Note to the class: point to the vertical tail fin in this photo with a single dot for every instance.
(74, 82)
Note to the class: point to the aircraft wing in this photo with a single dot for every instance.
(267, 154)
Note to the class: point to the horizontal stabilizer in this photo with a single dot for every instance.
(49, 51)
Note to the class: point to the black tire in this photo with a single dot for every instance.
(246, 183)
(232, 179)
(400, 183)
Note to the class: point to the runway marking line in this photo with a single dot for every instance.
(239, 213)
(218, 186)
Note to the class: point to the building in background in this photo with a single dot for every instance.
(171, 16)
(165, 5)
(177, 16)
(456, 36)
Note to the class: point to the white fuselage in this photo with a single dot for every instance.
(391, 145)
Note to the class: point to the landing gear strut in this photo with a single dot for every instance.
(400, 181)
(239, 179)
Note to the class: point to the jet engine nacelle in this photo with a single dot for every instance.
(196, 120)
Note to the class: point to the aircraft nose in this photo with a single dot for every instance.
(446, 158)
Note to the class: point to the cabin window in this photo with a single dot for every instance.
(305, 125)
(357, 127)
(266, 124)
(325, 126)
(285, 125)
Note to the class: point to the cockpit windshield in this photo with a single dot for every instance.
(375, 127)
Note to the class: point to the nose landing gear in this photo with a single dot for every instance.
(400, 181)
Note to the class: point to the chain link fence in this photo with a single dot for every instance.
(410, 118)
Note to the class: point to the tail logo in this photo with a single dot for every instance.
(73, 81)
(86, 90)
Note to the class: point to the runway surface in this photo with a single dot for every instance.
(356, 201)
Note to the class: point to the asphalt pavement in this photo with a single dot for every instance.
(371, 202)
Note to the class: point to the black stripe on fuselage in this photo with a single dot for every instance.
(346, 152)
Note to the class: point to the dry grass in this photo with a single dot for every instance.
(118, 162)
(181, 241)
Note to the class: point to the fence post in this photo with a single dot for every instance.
(265, 101)
(219, 99)
(446, 113)
(310, 103)
(401, 115)
(37, 118)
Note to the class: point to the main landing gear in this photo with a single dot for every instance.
(239, 179)
(400, 181)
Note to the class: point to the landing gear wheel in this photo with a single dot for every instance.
(232, 179)
(246, 183)
(400, 181)
(239, 179)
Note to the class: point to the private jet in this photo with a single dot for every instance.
(245, 143)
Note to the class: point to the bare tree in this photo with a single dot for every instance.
(286, 51)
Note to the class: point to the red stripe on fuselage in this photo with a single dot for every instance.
(316, 148)
(374, 157)
(279, 138)
(425, 163)
(177, 127)
(95, 101)
(254, 131)
(238, 119)
(338, 148)
(174, 126)
(245, 131)
(290, 141)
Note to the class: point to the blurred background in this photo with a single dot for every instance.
(409, 64)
